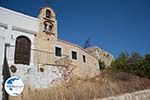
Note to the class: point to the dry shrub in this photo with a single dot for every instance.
(98, 87)
(122, 76)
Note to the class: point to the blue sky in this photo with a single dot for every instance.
(114, 25)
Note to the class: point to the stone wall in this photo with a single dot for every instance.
(33, 77)
(87, 69)
(101, 55)
(140, 95)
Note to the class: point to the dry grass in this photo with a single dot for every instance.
(108, 84)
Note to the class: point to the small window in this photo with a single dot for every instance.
(74, 55)
(84, 60)
(58, 51)
(48, 13)
(47, 27)
(107, 55)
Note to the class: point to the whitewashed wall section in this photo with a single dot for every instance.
(33, 77)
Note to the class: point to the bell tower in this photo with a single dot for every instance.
(48, 23)
(47, 35)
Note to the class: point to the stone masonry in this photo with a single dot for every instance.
(141, 95)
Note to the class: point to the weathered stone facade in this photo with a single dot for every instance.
(101, 55)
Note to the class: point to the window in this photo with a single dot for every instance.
(22, 50)
(47, 26)
(58, 51)
(48, 13)
(84, 60)
(107, 55)
(74, 55)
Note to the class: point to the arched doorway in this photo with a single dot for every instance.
(22, 50)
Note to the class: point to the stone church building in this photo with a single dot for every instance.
(38, 56)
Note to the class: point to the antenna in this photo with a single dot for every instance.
(87, 43)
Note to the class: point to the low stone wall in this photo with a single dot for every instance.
(140, 95)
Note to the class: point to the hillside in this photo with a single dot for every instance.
(109, 83)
